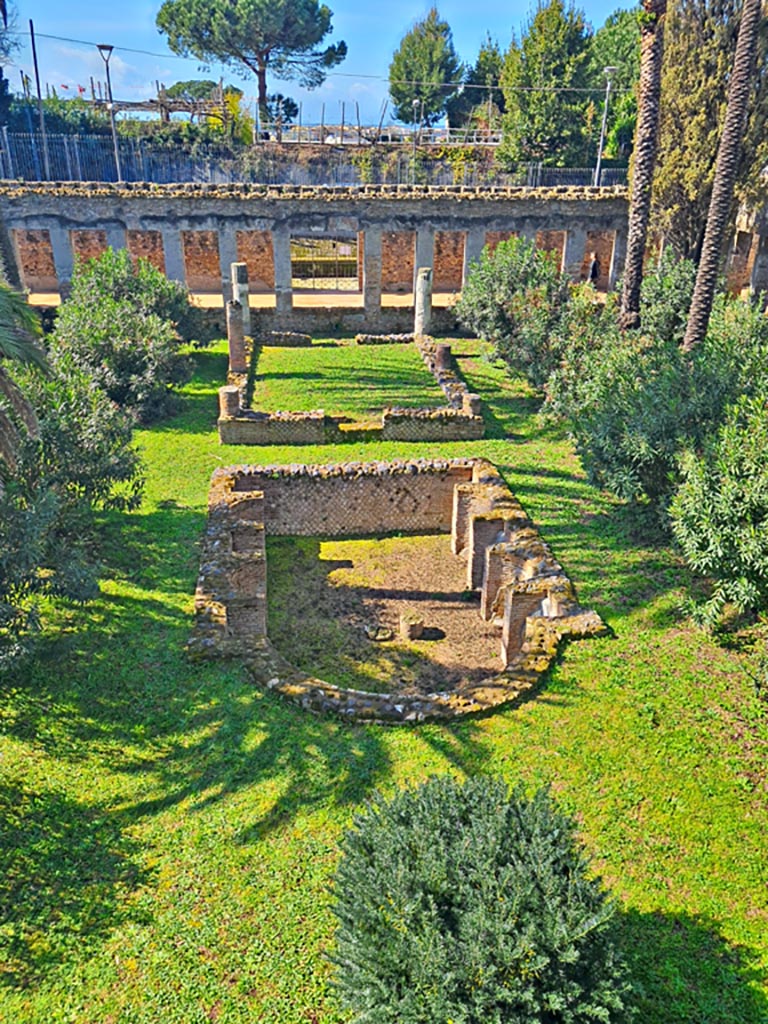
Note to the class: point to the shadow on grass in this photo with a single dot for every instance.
(686, 972)
(65, 872)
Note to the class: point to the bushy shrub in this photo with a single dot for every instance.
(465, 903)
(115, 274)
(515, 298)
(720, 512)
(118, 325)
(82, 461)
(635, 402)
(665, 297)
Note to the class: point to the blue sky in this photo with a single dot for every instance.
(372, 32)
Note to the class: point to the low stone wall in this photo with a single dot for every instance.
(383, 339)
(262, 428)
(460, 421)
(430, 425)
(524, 591)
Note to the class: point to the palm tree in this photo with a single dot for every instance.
(728, 154)
(18, 328)
(646, 146)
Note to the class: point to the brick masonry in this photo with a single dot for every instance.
(148, 245)
(88, 244)
(448, 275)
(201, 260)
(398, 254)
(523, 590)
(254, 248)
(35, 257)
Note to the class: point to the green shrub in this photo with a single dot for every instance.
(515, 298)
(119, 325)
(465, 903)
(720, 512)
(636, 402)
(82, 461)
(666, 297)
(115, 274)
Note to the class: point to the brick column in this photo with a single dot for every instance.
(63, 258)
(173, 254)
(281, 248)
(474, 243)
(372, 270)
(573, 253)
(425, 251)
(618, 256)
(227, 240)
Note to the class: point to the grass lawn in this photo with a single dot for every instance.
(168, 832)
(352, 380)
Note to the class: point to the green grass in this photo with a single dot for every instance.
(357, 381)
(168, 831)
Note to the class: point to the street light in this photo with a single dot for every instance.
(415, 118)
(105, 49)
(609, 72)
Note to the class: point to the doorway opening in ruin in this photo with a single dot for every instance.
(328, 264)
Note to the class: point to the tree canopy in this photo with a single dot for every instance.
(425, 71)
(699, 53)
(480, 96)
(545, 78)
(280, 36)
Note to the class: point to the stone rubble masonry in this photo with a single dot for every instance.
(461, 420)
(524, 591)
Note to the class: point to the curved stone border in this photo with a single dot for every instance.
(542, 640)
(523, 589)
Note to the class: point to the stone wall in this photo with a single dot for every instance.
(524, 591)
(352, 499)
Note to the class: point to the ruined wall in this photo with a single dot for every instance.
(201, 260)
(398, 255)
(353, 499)
(448, 268)
(254, 248)
(88, 244)
(35, 259)
(534, 600)
(147, 245)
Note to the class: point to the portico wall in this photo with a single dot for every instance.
(195, 231)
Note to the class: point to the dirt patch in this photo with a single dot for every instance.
(327, 597)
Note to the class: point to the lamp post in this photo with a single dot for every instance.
(105, 49)
(609, 72)
(415, 117)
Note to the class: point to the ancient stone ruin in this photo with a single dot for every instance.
(459, 420)
(523, 590)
